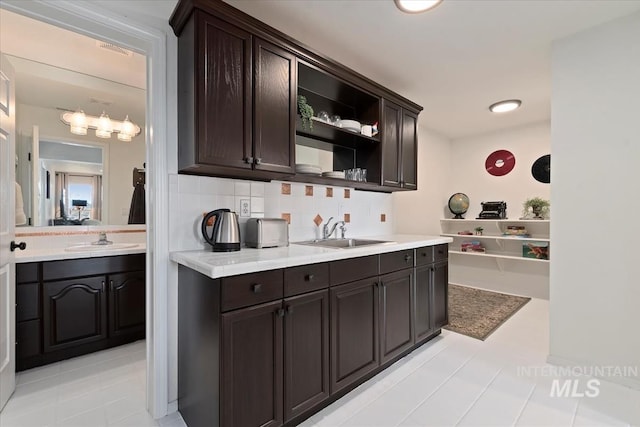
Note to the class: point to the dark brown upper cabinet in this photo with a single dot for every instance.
(236, 101)
(275, 108)
(238, 81)
(399, 147)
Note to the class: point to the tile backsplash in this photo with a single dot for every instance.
(191, 196)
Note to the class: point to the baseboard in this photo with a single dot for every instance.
(172, 407)
(623, 381)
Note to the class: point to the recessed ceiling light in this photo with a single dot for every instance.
(504, 106)
(416, 6)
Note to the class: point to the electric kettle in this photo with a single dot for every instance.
(225, 236)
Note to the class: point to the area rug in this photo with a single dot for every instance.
(477, 313)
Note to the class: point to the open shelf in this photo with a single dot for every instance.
(333, 134)
(496, 237)
(498, 256)
(517, 221)
(337, 182)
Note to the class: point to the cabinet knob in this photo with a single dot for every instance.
(424, 254)
(289, 309)
(256, 288)
(308, 277)
(280, 312)
(248, 160)
(407, 258)
(258, 160)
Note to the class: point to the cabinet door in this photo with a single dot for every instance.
(391, 140)
(223, 94)
(396, 313)
(74, 312)
(423, 298)
(439, 295)
(252, 368)
(127, 304)
(354, 332)
(409, 150)
(306, 352)
(275, 108)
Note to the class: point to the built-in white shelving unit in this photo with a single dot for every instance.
(502, 267)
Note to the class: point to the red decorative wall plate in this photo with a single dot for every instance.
(500, 162)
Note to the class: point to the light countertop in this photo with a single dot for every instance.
(53, 254)
(249, 260)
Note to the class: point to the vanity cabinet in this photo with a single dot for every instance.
(399, 146)
(72, 307)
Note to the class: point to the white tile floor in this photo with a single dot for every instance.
(453, 380)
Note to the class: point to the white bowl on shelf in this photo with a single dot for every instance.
(352, 125)
(333, 174)
(308, 169)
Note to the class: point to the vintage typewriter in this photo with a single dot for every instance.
(493, 210)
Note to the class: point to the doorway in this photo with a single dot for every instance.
(101, 24)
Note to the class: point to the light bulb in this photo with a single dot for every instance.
(78, 123)
(104, 126)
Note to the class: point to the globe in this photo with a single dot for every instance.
(458, 205)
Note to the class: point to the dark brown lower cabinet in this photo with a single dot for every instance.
(74, 312)
(252, 363)
(306, 352)
(422, 327)
(126, 303)
(396, 313)
(354, 332)
(439, 295)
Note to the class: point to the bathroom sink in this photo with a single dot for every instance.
(343, 243)
(100, 248)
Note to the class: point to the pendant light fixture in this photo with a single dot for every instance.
(416, 6)
(104, 126)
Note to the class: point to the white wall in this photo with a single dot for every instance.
(595, 134)
(122, 156)
(419, 212)
(468, 174)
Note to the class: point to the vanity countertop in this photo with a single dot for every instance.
(249, 260)
(52, 254)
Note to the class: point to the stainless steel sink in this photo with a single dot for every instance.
(343, 243)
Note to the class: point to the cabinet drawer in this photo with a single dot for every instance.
(27, 339)
(55, 270)
(395, 261)
(424, 256)
(26, 273)
(251, 289)
(440, 252)
(306, 278)
(349, 270)
(27, 302)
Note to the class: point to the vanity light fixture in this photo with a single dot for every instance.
(79, 122)
(505, 106)
(416, 6)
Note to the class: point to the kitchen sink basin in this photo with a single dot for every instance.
(100, 248)
(343, 243)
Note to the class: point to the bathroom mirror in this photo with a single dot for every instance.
(68, 179)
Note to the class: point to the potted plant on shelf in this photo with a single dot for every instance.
(306, 112)
(538, 206)
(479, 231)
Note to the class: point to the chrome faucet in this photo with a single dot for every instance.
(326, 233)
(102, 239)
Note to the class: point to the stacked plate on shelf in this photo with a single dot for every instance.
(308, 169)
(334, 174)
(352, 125)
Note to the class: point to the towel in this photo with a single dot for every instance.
(136, 212)
(21, 218)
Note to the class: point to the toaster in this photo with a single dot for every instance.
(266, 233)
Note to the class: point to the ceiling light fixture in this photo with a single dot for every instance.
(79, 122)
(505, 106)
(416, 6)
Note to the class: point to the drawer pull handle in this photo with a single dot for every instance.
(407, 258)
(308, 277)
(257, 288)
(424, 254)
